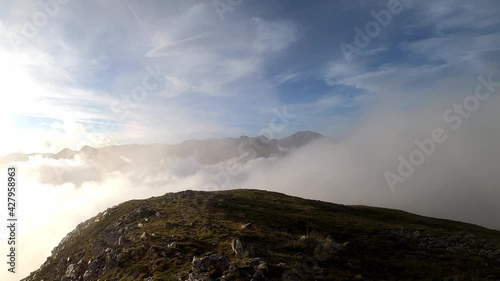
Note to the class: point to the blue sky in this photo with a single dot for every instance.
(222, 68)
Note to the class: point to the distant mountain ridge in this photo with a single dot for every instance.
(207, 151)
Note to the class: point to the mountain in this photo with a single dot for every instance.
(299, 139)
(205, 152)
(259, 235)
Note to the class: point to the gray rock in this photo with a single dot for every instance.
(110, 238)
(215, 264)
(246, 225)
(237, 247)
(97, 248)
(240, 248)
(194, 276)
(71, 271)
(258, 276)
(145, 212)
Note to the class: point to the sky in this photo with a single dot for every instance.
(95, 73)
(393, 82)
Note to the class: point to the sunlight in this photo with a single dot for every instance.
(18, 96)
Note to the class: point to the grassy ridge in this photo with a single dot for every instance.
(298, 238)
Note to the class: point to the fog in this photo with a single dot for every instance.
(457, 180)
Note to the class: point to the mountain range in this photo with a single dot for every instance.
(205, 152)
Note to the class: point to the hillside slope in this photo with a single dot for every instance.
(259, 235)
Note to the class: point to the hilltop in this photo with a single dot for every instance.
(259, 235)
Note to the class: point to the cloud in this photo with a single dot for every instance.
(63, 84)
(458, 181)
(337, 71)
(197, 42)
(274, 36)
(287, 77)
(449, 16)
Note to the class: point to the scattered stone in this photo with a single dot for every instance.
(261, 269)
(194, 276)
(145, 212)
(246, 225)
(214, 264)
(241, 249)
(237, 247)
(110, 238)
(96, 249)
(71, 271)
(122, 240)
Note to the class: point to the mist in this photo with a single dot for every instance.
(456, 179)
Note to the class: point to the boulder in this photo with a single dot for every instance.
(241, 249)
(145, 212)
(213, 264)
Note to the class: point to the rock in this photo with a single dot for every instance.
(237, 247)
(214, 264)
(122, 240)
(259, 275)
(263, 266)
(246, 225)
(358, 277)
(140, 225)
(110, 238)
(89, 275)
(71, 271)
(240, 248)
(194, 276)
(233, 272)
(254, 262)
(96, 249)
(94, 270)
(144, 212)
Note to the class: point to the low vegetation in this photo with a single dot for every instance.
(277, 237)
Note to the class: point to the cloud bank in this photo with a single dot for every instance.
(459, 180)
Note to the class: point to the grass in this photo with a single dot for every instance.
(205, 223)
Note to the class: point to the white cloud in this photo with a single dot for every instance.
(274, 36)
(337, 71)
(350, 171)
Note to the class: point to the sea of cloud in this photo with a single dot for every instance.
(459, 180)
